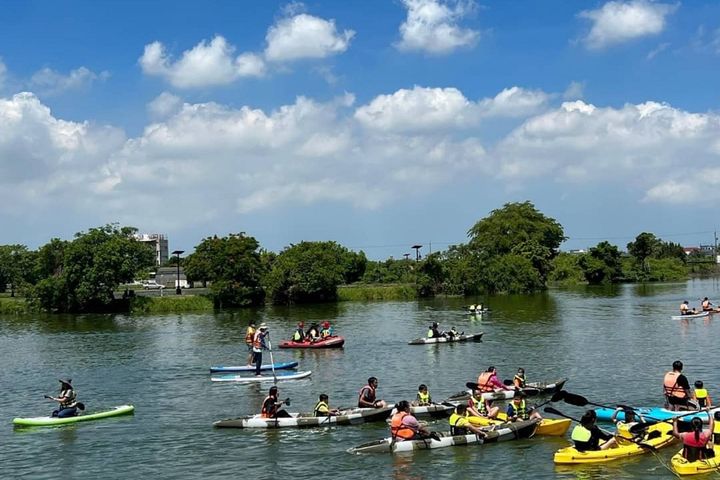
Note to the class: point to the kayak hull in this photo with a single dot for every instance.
(531, 389)
(691, 316)
(353, 416)
(504, 432)
(331, 342)
(653, 413)
(626, 448)
(555, 427)
(50, 421)
(251, 368)
(475, 337)
(683, 467)
(280, 377)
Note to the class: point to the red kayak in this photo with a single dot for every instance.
(330, 342)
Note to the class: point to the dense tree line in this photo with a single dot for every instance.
(515, 249)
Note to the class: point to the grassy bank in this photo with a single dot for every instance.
(171, 304)
(401, 291)
(13, 305)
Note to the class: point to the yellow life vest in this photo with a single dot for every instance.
(581, 434)
(716, 428)
(701, 395)
(423, 397)
(322, 409)
(458, 424)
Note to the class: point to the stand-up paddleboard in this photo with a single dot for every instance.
(49, 421)
(251, 368)
(281, 377)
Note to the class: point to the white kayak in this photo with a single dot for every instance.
(688, 317)
(475, 337)
(351, 416)
(279, 376)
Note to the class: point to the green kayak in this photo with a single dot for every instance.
(49, 421)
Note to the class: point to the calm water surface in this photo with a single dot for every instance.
(614, 345)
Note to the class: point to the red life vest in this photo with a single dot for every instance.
(370, 396)
(398, 429)
(484, 382)
(670, 386)
(268, 407)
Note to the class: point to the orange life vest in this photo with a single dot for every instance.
(249, 335)
(398, 429)
(268, 407)
(257, 341)
(484, 382)
(670, 386)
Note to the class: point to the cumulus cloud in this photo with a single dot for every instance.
(620, 21)
(164, 105)
(50, 82)
(305, 36)
(432, 26)
(206, 64)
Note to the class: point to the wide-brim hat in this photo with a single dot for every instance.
(66, 381)
(263, 326)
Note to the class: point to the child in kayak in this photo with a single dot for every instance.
(517, 409)
(701, 395)
(423, 396)
(587, 435)
(322, 408)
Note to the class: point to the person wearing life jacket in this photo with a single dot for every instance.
(478, 407)
(519, 378)
(271, 405)
(67, 400)
(299, 334)
(434, 332)
(623, 426)
(259, 344)
(366, 398)
(404, 426)
(716, 429)
(423, 396)
(322, 407)
(326, 330)
(587, 435)
(701, 395)
(488, 381)
(460, 425)
(707, 305)
(676, 388)
(249, 336)
(695, 442)
(517, 409)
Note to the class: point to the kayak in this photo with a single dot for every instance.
(548, 426)
(475, 337)
(506, 431)
(531, 389)
(49, 421)
(352, 416)
(683, 467)
(693, 315)
(251, 368)
(653, 413)
(436, 410)
(280, 377)
(330, 342)
(656, 437)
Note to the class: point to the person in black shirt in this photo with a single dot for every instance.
(587, 435)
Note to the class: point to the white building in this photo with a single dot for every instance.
(159, 244)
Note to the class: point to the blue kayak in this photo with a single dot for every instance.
(653, 413)
(251, 368)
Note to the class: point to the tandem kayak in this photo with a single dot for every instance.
(683, 467)
(656, 437)
(475, 337)
(654, 413)
(330, 342)
(49, 421)
(436, 410)
(251, 368)
(352, 416)
(688, 317)
(548, 426)
(280, 377)
(531, 389)
(506, 431)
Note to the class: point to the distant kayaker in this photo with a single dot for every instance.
(299, 334)
(478, 407)
(434, 332)
(326, 330)
(695, 442)
(259, 344)
(271, 405)
(452, 333)
(587, 435)
(677, 388)
(686, 310)
(623, 426)
(489, 382)
(367, 399)
(67, 400)
(701, 395)
(423, 397)
(404, 426)
(460, 425)
(519, 378)
(322, 408)
(249, 337)
(707, 305)
(517, 409)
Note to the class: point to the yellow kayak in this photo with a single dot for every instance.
(625, 448)
(547, 426)
(683, 467)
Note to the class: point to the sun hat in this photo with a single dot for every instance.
(263, 326)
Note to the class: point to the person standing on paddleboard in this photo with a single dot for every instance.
(259, 344)
(249, 337)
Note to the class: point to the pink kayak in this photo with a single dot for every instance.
(330, 342)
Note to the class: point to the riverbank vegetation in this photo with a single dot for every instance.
(515, 249)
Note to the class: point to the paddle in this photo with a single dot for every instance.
(80, 406)
(641, 426)
(272, 361)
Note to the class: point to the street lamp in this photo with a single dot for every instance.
(417, 252)
(178, 290)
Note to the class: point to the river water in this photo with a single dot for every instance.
(614, 344)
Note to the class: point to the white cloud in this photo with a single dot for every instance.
(305, 36)
(50, 82)
(432, 26)
(620, 21)
(206, 64)
(513, 102)
(574, 91)
(164, 105)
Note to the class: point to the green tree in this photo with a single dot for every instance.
(307, 272)
(234, 267)
(16, 267)
(511, 273)
(461, 271)
(92, 267)
(602, 264)
(566, 269)
(430, 275)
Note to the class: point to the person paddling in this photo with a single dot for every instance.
(404, 426)
(259, 344)
(623, 426)
(695, 442)
(676, 388)
(271, 405)
(460, 425)
(367, 399)
(489, 382)
(67, 400)
(322, 407)
(587, 435)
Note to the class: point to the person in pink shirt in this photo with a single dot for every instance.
(489, 382)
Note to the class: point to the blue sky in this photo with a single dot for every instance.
(378, 124)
